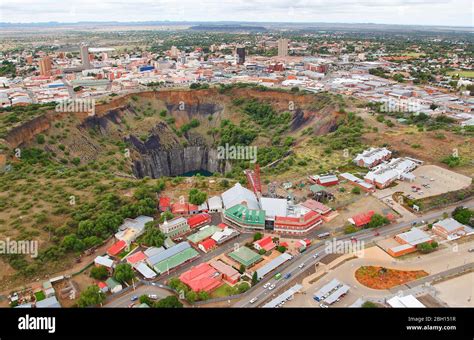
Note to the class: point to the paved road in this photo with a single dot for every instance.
(308, 258)
(124, 300)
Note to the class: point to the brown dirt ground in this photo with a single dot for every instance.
(373, 277)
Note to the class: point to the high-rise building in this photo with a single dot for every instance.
(86, 64)
(45, 66)
(282, 47)
(240, 51)
(174, 52)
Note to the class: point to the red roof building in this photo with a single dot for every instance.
(193, 209)
(207, 245)
(297, 225)
(316, 206)
(137, 257)
(179, 208)
(198, 220)
(202, 277)
(103, 286)
(265, 243)
(165, 203)
(362, 219)
(117, 248)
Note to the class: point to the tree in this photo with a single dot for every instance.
(254, 278)
(191, 296)
(40, 139)
(243, 287)
(356, 190)
(242, 269)
(152, 237)
(145, 299)
(197, 197)
(168, 302)
(281, 249)
(369, 304)
(123, 272)
(92, 296)
(203, 296)
(99, 273)
(166, 215)
(463, 215)
(257, 236)
(377, 220)
(71, 242)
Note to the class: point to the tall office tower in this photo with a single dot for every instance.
(45, 66)
(174, 52)
(282, 47)
(240, 51)
(86, 64)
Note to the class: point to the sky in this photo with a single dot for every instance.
(405, 12)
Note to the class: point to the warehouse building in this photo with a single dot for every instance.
(450, 229)
(372, 157)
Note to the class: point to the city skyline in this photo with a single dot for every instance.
(403, 12)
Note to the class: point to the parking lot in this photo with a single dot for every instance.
(431, 180)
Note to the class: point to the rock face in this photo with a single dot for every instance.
(162, 155)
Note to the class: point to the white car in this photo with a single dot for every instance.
(266, 285)
(271, 287)
(301, 265)
(322, 305)
(315, 255)
(153, 296)
(254, 299)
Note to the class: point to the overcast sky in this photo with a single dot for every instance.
(422, 12)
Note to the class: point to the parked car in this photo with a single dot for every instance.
(315, 255)
(271, 287)
(153, 296)
(471, 250)
(134, 298)
(288, 275)
(254, 299)
(266, 285)
(322, 305)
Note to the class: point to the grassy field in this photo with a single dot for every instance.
(224, 290)
(462, 73)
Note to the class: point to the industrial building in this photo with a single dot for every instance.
(450, 229)
(408, 242)
(371, 157)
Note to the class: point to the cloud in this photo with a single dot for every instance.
(428, 12)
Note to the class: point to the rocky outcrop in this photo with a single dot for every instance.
(153, 160)
(163, 155)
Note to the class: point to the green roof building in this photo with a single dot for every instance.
(203, 234)
(245, 217)
(175, 260)
(245, 256)
(316, 188)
